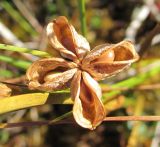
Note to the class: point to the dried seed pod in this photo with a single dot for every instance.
(88, 109)
(57, 81)
(5, 91)
(80, 74)
(40, 69)
(108, 59)
(64, 38)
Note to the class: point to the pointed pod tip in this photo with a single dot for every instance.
(93, 128)
(60, 20)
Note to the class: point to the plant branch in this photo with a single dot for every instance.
(133, 118)
(60, 121)
(19, 79)
(14, 84)
(146, 44)
(56, 121)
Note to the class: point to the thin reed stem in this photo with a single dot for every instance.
(82, 16)
(23, 50)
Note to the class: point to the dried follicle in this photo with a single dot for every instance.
(109, 59)
(39, 74)
(5, 91)
(80, 69)
(88, 109)
(64, 38)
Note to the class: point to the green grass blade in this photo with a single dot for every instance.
(5, 73)
(24, 50)
(23, 101)
(82, 16)
(132, 82)
(61, 117)
(16, 62)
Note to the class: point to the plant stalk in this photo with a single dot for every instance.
(24, 50)
(82, 12)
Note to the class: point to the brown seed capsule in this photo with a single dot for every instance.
(5, 91)
(79, 70)
(107, 57)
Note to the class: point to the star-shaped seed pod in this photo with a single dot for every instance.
(80, 69)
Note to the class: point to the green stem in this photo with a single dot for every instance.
(16, 62)
(131, 82)
(82, 16)
(24, 50)
(4, 73)
(61, 117)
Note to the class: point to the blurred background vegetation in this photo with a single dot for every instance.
(22, 23)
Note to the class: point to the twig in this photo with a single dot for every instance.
(133, 118)
(153, 8)
(23, 124)
(14, 84)
(147, 42)
(138, 16)
(59, 122)
(82, 16)
(15, 80)
(56, 121)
